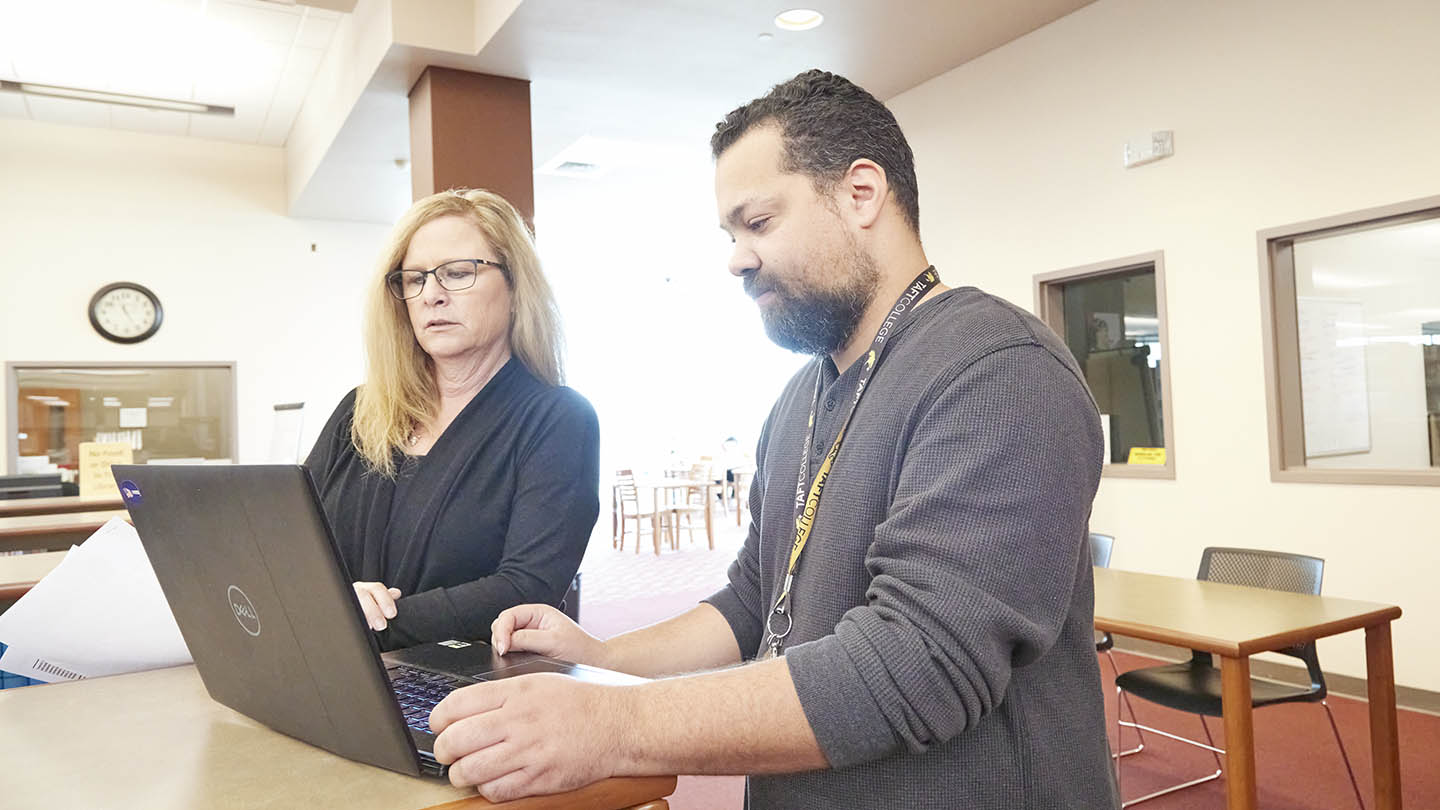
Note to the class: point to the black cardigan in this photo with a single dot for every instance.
(497, 514)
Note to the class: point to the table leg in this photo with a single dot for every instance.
(655, 518)
(1384, 737)
(709, 519)
(1239, 732)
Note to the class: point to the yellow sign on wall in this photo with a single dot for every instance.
(1147, 455)
(95, 461)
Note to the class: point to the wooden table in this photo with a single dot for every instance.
(1234, 622)
(156, 740)
(52, 532)
(20, 572)
(12, 507)
(668, 485)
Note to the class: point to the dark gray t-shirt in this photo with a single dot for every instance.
(943, 646)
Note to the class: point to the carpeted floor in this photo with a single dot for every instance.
(1298, 765)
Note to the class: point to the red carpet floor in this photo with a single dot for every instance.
(1298, 765)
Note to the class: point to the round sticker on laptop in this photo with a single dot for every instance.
(130, 493)
(244, 610)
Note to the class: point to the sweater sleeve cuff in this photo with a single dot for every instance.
(846, 720)
(742, 624)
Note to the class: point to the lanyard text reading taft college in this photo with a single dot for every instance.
(807, 498)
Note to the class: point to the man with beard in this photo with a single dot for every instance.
(913, 606)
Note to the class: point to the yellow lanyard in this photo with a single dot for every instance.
(807, 504)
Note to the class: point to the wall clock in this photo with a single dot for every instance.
(125, 312)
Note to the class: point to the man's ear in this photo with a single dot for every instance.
(864, 191)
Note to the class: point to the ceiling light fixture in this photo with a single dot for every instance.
(799, 19)
(102, 97)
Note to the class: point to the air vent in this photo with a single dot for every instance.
(587, 158)
(575, 167)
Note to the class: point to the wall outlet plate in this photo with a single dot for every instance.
(1148, 149)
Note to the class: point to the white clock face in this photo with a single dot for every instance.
(125, 313)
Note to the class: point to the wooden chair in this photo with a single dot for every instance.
(693, 503)
(625, 505)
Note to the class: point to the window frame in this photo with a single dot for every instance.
(1049, 307)
(1280, 326)
(12, 394)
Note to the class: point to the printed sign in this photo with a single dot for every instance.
(95, 461)
(1147, 455)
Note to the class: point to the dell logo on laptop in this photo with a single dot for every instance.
(244, 610)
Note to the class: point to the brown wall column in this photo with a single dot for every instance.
(470, 130)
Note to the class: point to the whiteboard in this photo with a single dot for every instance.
(1333, 388)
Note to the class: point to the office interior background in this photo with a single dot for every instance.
(260, 232)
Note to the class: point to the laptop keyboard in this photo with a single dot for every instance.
(418, 691)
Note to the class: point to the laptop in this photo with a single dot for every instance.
(250, 568)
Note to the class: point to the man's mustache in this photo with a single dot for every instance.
(754, 287)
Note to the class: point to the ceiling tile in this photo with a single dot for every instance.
(31, 66)
(152, 74)
(274, 25)
(290, 93)
(223, 81)
(277, 125)
(163, 122)
(244, 127)
(69, 111)
(315, 32)
(299, 73)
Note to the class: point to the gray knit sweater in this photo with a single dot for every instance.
(942, 648)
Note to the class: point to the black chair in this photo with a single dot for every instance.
(1195, 686)
(1101, 545)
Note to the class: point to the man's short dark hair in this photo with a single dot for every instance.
(827, 123)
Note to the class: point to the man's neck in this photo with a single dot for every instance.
(886, 294)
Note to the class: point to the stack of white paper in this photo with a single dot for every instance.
(100, 612)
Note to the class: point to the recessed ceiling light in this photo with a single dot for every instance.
(799, 19)
(765, 36)
(103, 97)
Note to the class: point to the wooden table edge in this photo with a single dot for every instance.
(610, 794)
(11, 591)
(1194, 642)
(1280, 641)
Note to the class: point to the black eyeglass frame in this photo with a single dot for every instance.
(395, 276)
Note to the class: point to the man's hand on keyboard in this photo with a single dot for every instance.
(528, 735)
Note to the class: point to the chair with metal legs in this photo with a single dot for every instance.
(1101, 545)
(1195, 686)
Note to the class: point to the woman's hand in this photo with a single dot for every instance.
(377, 601)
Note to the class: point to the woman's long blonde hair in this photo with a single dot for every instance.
(399, 393)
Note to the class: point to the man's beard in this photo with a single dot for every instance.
(818, 321)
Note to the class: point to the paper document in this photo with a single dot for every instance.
(100, 612)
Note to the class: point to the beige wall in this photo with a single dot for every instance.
(203, 225)
(1283, 111)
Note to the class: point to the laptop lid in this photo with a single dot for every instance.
(258, 589)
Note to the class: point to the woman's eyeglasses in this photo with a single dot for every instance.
(453, 276)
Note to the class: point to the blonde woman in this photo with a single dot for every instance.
(461, 479)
